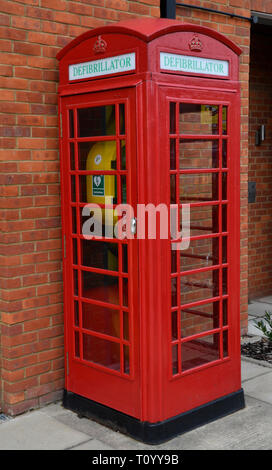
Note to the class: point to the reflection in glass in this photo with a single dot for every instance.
(199, 351)
(198, 187)
(101, 319)
(204, 220)
(198, 153)
(96, 121)
(200, 254)
(198, 119)
(100, 287)
(199, 319)
(102, 255)
(101, 351)
(199, 286)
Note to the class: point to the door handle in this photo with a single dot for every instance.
(133, 225)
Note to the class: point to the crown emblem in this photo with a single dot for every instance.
(100, 45)
(195, 44)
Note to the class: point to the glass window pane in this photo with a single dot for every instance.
(198, 153)
(71, 123)
(94, 188)
(224, 186)
(122, 123)
(174, 292)
(172, 154)
(100, 287)
(101, 351)
(199, 286)
(74, 220)
(101, 319)
(125, 258)
(174, 325)
(225, 343)
(123, 154)
(97, 156)
(172, 118)
(224, 249)
(225, 312)
(126, 359)
(224, 218)
(123, 189)
(204, 220)
(76, 313)
(224, 120)
(200, 351)
(200, 254)
(173, 195)
(199, 319)
(198, 187)
(74, 242)
(125, 292)
(96, 121)
(173, 261)
(102, 255)
(225, 281)
(198, 119)
(126, 325)
(224, 154)
(73, 188)
(72, 156)
(175, 359)
(75, 274)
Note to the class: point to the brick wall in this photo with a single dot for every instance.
(31, 33)
(260, 165)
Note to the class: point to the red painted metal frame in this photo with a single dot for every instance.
(157, 394)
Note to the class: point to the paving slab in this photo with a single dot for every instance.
(258, 309)
(93, 444)
(38, 431)
(260, 387)
(267, 299)
(251, 370)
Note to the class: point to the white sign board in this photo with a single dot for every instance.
(100, 67)
(191, 64)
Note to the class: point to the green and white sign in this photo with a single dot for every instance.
(191, 64)
(97, 68)
(98, 183)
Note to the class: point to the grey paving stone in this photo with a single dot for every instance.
(93, 444)
(260, 387)
(250, 370)
(267, 299)
(258, 309)
(37, 431)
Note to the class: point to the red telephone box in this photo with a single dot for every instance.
(149, 117)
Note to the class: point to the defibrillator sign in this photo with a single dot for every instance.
(98, 185)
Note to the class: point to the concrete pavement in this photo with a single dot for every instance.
(54, 428)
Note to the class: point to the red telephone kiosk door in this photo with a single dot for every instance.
(203, 323)
(102, 344)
